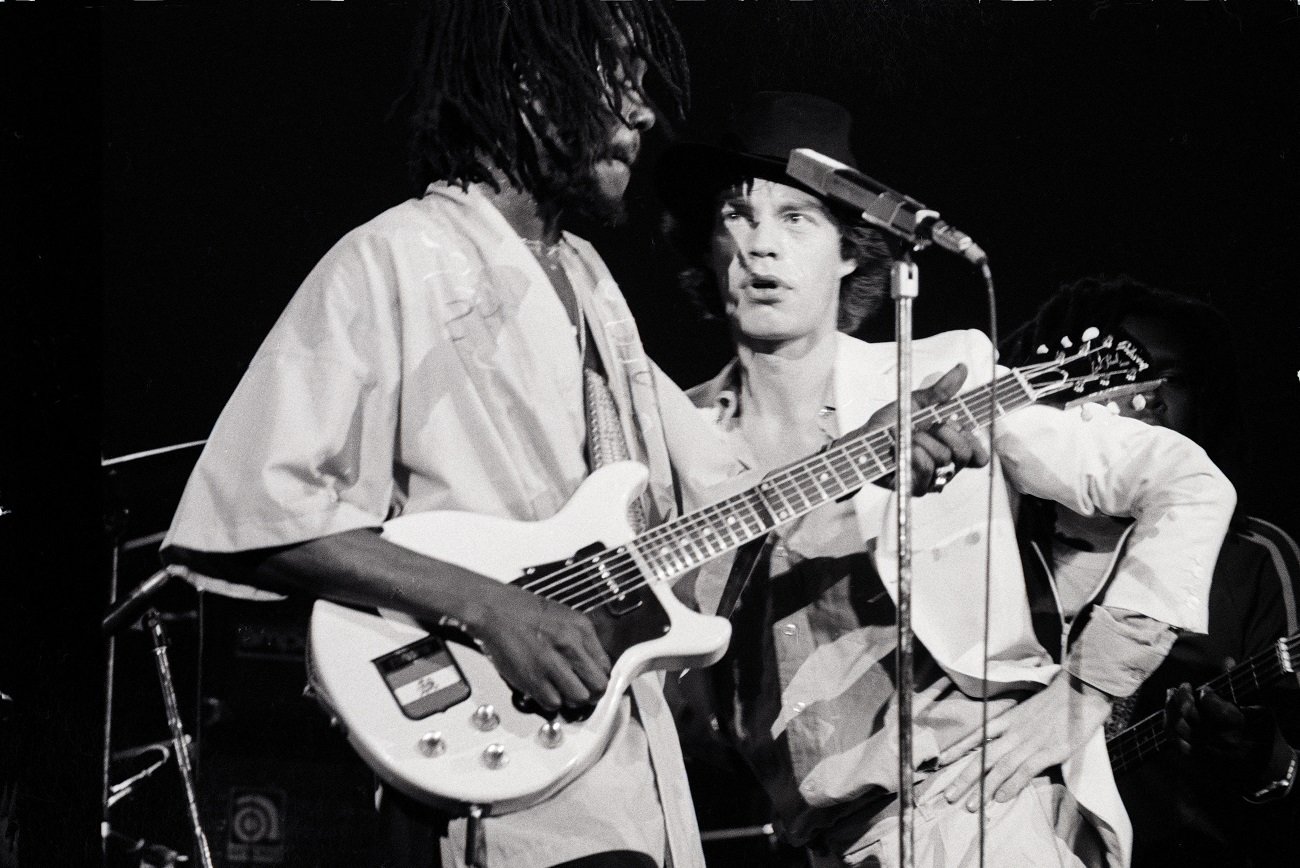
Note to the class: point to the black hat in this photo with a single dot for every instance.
(757, 145)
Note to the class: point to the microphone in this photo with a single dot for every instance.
(135, 604)
(899, 215)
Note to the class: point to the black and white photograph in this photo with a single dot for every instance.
(466, 433)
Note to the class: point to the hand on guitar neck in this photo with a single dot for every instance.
(941, 450)
(1243, 743)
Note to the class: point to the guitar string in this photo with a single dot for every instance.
(693, 523)
(596, 576)
(1148, 735)
(781, 486)
(598, 593)
(597, 579)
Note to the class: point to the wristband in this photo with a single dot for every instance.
(1278, 788)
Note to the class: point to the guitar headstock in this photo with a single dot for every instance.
(1094, 364)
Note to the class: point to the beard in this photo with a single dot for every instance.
(581, 197)
(576, 191)
(587, 201)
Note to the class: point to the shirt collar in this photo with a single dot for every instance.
(727, 401)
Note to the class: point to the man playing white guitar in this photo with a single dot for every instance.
(806, 691)
(462, 356)
(437, 358)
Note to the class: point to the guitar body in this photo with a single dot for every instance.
(414, 706)
(435, 720)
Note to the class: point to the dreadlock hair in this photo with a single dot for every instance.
(486, 72)
(1105, 303)
(689, 228)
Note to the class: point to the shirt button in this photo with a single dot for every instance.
(824, 412)
(798, 707)
(790, 629)
(778, 551)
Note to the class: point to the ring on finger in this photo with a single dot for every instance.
(942, 476)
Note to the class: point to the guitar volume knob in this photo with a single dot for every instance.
(550, 734)
(433, 744)
(494, 756)
(485, 718)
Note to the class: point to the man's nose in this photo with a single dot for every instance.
(762, 240)
(636, 113)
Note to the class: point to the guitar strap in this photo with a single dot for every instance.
(606, 444)
(605, 441)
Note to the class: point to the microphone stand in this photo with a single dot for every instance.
(912, 226)
(114, 522)
(120, 616)
(179, 743)
(904, 287)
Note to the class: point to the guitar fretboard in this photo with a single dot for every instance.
(668, 551)
(673, 549)
(1146, 738)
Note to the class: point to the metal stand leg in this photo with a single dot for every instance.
(154, 624)
(904, 281)
(107, 759)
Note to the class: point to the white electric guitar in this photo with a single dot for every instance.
(430, 714)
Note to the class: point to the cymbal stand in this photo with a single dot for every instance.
(180, 744)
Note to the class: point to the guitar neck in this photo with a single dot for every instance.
(674, 548)
(1134, 745)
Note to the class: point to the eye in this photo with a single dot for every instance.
(796, 218)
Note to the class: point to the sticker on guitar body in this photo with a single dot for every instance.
(423, 677)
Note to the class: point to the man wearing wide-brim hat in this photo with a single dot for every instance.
(806, 692)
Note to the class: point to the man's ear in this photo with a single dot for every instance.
(847, 267)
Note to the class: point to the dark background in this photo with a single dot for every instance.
(171, 171)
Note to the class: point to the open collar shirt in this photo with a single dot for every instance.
(1106, 464)
(426, 364)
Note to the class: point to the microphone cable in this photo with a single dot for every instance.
(991, 294)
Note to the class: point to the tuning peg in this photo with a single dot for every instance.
(1042, 349)
(1090, 333)
(1066, 343)
(1078, 387)
(1105, 381)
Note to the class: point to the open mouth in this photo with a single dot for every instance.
(764, 283)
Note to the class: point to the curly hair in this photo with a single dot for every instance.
(690, 230)
(486, 72)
